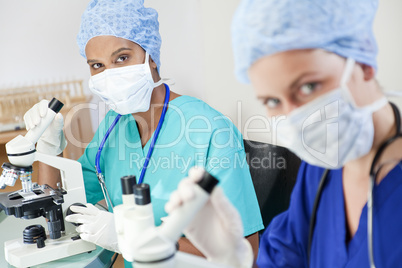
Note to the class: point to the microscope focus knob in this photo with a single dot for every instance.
(32, 233)
(70, 212)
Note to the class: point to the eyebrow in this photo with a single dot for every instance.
(297, 80)
(120, 50)
(91, 61)
(113, 54)
(292, 85)
(262, 97)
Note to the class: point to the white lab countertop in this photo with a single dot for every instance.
(11, 228)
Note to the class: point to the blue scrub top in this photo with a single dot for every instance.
(284, 243)
(192, 134)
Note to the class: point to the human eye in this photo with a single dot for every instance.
(272, 103)
(121, 59)
(97, 66)
(308, 89)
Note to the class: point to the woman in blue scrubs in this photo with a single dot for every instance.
(315, 62)
(121, 42)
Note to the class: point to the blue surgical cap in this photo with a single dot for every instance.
(127, 19)
(265, 27)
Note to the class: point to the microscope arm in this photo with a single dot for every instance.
(68, 169)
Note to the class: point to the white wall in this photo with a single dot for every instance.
(197, 53)
(37, 40)
(181, 53)
(223, 91)
(388, 30)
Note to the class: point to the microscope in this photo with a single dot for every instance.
(148, 246)
(59, 240)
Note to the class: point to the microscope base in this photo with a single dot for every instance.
(19, 254)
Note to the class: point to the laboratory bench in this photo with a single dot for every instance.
(11, 228)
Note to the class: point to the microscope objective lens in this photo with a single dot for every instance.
(11, 177)
(26, 181)
(3, 179)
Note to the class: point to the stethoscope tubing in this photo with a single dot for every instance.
(370, 201)
(156, 134)
(148, 157)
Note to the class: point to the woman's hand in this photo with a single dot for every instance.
(52, 141)
(96, 226)
(217, 230)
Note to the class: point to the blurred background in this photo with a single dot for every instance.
(38, 47)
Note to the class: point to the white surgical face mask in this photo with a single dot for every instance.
(127, 89)
(330, 130)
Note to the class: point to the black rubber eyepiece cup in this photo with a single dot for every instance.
(208, 182)
(55, 105)
(127, 184)
(142, 194)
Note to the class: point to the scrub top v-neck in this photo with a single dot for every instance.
(284, 243)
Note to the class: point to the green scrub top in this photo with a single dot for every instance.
(192, 134)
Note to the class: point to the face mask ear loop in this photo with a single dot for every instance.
(150, 73)
(146, 58)
(345, 79)
(347, 72)
(377, 105)
(350, 63)
(393, 94)
(155, 84)
(169, 81)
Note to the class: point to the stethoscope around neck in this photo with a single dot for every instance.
(373, 176)
(98, 170)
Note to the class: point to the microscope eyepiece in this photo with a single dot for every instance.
(127, 184)
(55, 105)
(142, 194)
(208, 182)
